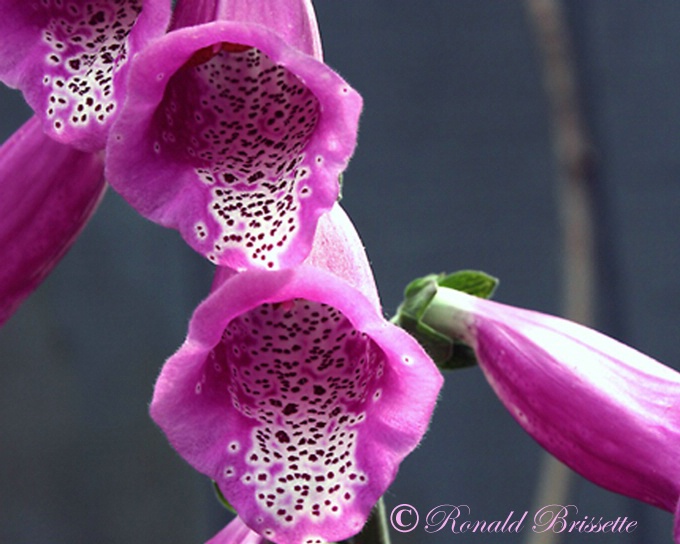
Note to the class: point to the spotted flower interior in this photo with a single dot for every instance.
(86, 45)
(242, 122)
(298, 398)
(235, 138)
(70, 59)
(303, 378)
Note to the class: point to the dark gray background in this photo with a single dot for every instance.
(454, 170)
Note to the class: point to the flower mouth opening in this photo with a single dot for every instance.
(86, 46)
(302, 380)
(240, 119)
(242, 124)
(249, 118)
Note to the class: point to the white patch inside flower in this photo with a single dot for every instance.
(86, 50)
(243, 124)
(305, 379)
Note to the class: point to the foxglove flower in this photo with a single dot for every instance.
(70, 59)
(235, 132)
(236, 532)
(49, 190)
(294, 394)
(604, 409)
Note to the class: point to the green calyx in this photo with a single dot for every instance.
(447, 353)
(220, 497)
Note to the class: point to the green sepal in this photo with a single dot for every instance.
(418, 295)
(472, 282)
(220, 497)
(447, 353)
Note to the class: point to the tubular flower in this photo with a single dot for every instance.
(294, 394)
(236, 532)
(49, 191)
(293, 20)
(606, 410)
(235, 132)
(70, 59)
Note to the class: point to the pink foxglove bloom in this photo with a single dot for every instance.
(49, 191)
(70, 59)
(295, 395)
(237, 532)
(235, 132)
(606, 410)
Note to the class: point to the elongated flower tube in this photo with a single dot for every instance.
(294, 394)
(236, 532)
(293, 20)
(606, 410)
(70, 59)
(49, 191)
(235, 136)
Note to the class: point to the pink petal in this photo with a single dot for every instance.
(337, 249)
(236, 532)
(293, 20)
(606, 410)
(49, 191)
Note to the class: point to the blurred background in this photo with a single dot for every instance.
(455, 168)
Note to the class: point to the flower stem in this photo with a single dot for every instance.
(575, 167)
(375, 531)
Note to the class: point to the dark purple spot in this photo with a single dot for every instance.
(290, 409)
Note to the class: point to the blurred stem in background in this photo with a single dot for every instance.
(376, 530)
(574, 173)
